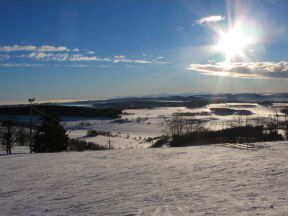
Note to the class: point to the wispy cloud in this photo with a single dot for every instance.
(48, 53)
(244, 69)
(115, 59)
(47, 48)
(49, 56)
(179, 28)
(20, 65)
(119, 56)
(124, 59)
(17, 48)
(137, 61)
(80, 57)
(208, 20)
(4, 56)
(27, 48)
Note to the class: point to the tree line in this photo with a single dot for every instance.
(185, 132)
(48, 136)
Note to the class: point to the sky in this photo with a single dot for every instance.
(102, 49)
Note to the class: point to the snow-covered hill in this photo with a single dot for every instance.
(202, 180)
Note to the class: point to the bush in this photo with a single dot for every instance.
(94, 133)
(160, 142)
(82, 145)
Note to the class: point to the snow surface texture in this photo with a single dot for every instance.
(201, 180)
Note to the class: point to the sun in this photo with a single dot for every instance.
(233, 43)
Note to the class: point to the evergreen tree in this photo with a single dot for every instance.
(50, 136)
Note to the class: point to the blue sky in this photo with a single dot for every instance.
(92, 49)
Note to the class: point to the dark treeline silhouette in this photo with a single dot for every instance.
(229, 111)
(63, 111)
(50, 136)
(245, 134)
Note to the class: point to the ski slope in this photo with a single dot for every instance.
(201, 180)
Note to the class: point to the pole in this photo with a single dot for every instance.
(31, 100)
(109, 142)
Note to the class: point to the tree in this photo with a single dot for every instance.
(174, 126)
(50, 136)
(8, 136)
(285, 112)
(22, 137)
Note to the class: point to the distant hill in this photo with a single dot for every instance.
(60, 110)
(187, 100)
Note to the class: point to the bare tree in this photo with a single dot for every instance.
(8, 136)
(174, 126)
(180, 126)
(285, 112)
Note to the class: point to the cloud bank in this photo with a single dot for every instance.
(278, 70)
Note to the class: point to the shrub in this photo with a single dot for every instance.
(82, 145)
(94, 133)
(160, 142)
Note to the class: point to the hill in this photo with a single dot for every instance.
(197, 180)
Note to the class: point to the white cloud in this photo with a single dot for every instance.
(138, 61)
(38, 56)
(49, 56)
(122, 58)
(80, 57)
(78, 65)
(61, 53)
(179, 28)
(20, 65)
(4, 57)
(17, 48)
(208, 20)
(44, 48)
(116, 59)
(58, 56)
(159, 58)
(244, 69)
(119, 56)
(47, 48)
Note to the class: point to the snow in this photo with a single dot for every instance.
(143, 123)
(201, 180)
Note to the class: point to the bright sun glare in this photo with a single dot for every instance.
(233, 43)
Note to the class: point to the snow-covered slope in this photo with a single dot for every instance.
(202, 180)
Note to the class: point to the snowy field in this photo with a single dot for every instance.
(201, 180)
(138, 124)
